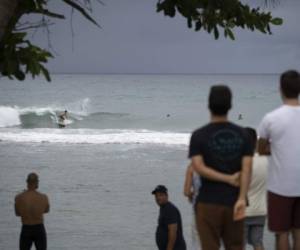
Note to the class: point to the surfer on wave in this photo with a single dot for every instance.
(62, 118)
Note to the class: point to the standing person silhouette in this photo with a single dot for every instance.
(169, 234)
(279, 137)
(218, 151)
(30, 205)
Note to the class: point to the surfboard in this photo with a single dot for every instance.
(61, 123)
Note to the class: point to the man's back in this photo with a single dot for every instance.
(222, 146)
(31, 205)
(281, 127)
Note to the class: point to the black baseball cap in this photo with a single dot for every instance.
(160, 189)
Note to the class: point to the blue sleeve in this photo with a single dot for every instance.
(171, 216)
(249, 147)
(195, 145)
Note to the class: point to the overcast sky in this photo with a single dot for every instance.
(136, 39)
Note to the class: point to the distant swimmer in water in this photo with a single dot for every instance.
(168, 115)
(240, 117)
(61, 119)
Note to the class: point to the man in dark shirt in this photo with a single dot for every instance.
(218, 150)
(169, 235)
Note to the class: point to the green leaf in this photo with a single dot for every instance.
(230, 34)
(225, 33)
(45, 73)
(189, 22)
(19, 75)
(20, 35)
(11, 65)
(277, 21)
(198, 25)
(216, 32)
(159, 7)
(223, 14)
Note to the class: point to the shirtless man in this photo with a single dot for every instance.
(30, 205)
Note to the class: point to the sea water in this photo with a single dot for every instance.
(126, 134)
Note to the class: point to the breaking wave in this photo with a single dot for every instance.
(47, 117)
(94, 136)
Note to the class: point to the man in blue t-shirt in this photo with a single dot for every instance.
(218, 151)
(169, 235)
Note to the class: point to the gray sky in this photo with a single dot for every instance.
(136, 39)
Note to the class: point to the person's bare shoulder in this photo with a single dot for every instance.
(45, 196)
(19, 195)
(42, 195)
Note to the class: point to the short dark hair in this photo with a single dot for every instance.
(219, 101)
(253, 135)
(290, 84)
(32, 178)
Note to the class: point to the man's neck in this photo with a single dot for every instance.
(217, 118)
(29, 188)
(291, 102)
(163, 204)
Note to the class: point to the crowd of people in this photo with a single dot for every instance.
(234, 182)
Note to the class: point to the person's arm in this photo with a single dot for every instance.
(188, 182)
(264, 135)
(264, 147)
(172, 234)
(209, 173)
(16, 207)
(240, 205)
(47, 209)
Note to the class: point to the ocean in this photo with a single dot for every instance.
(125, 135)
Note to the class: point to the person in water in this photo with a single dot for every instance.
(62, 117)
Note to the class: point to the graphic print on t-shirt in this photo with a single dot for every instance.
(225, 145)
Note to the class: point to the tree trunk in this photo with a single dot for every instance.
(7, 8)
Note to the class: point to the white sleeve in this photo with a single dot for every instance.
(264, 128)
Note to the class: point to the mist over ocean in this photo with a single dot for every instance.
(125, 135)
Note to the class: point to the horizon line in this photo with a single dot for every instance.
(87, 73)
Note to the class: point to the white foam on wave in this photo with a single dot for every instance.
(9, 117)
(36, 110)
(68, 121)
(94, 136)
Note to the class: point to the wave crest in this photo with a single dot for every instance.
(31, 117)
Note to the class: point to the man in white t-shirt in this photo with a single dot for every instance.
(256, 211)
(279, 134)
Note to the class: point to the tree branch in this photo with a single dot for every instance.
(82, 11)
